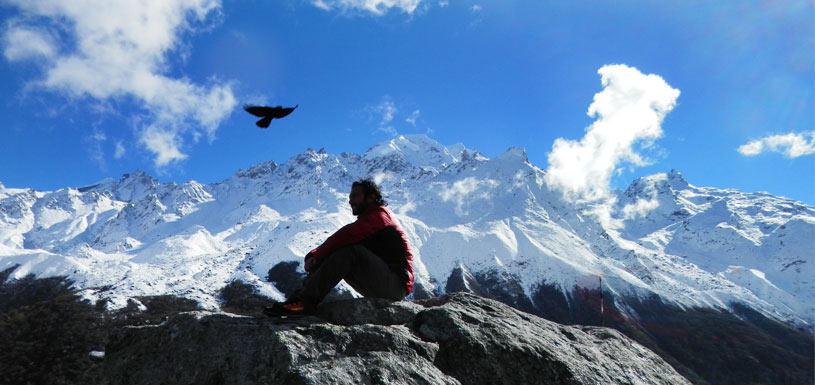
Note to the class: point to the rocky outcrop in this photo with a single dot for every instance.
(456, 339)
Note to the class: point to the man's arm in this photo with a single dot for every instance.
(309, 263)
(350, 234)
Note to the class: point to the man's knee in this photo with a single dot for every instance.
(344, 254)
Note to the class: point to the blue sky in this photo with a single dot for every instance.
(79, 104)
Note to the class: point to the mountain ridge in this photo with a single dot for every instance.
(133, 234)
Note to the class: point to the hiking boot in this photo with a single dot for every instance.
(289, 308)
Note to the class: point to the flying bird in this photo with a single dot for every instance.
(268, 113)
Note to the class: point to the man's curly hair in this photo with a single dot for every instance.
(369, 187)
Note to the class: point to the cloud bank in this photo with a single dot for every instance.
(791, 145)
(120, 49)
(374, 7)
(629, 112)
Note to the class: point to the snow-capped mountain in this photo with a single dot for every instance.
(464, 212)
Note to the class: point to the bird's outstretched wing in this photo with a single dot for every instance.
(268, 113)
(259, 111)
(283, 112)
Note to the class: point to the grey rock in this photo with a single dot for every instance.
(456, 339)
(222, 348)
(369, 311)
(482, 341)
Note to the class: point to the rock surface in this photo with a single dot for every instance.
(456, 339)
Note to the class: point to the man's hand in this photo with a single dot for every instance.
(310, 262)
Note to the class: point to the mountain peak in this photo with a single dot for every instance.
(134, 185)
(418, 150)
(515, 153)
(676, 180)
(645, 186)
(404, 143)
(258, 170)
(124, 187)
(136, 175)
(310, 156)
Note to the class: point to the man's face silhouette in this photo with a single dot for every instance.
(358, 201)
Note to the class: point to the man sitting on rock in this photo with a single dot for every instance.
(372, 254)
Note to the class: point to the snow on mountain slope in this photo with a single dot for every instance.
(693, 246)
(760, 242)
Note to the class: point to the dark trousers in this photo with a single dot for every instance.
(366, 272)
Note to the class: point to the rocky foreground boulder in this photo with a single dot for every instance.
(456, 339)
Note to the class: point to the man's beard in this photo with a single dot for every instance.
(358, 209)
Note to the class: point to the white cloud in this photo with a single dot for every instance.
(119, 150)
(444, 3)
(792, 145)
(465, 192)
(375, 7)
(384, 112)
(388, 109)
(321, 4)
(99, 136)
(122, 50)
(95, 148)
(413, 117)
(640, 208)
(163, 143)
(477, 15)
(649, 200)
(751, 148)
(629, 112)
(387, 116)
(24, 42)
(390, 130)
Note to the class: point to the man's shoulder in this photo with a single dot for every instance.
(380, 211)
(377, 209)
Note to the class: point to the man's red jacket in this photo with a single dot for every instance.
(377, 230)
